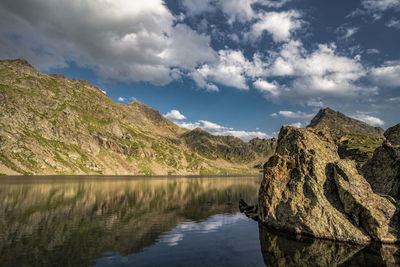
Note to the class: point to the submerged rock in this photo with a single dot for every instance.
(307, 189)
(249, 210)
(383, 170)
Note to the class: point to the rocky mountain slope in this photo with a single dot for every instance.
(338, 125)
(50, 124)
(356, 140)
(307, 189)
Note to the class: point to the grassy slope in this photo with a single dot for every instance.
(50, 124)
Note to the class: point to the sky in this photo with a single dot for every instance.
(231, 67)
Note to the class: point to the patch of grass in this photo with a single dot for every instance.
(11, 165)
(366, 144)
(145, 168)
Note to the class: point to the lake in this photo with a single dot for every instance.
(154, 221)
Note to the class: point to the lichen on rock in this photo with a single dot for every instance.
(307, 189)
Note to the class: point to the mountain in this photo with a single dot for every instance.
(50, 124)
(355, 139)
(338, 125)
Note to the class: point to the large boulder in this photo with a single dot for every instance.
(307, 189)
(383, 170)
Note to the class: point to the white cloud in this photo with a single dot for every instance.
(315, 103)
(195, 7)
(369, 119)
(174, 115)
(120, 40)
(232, 69)
(293, 115)
(320, 73)
(207, 125)
(393, 23)
(279, 24)
(296, 124)
(244, 135)
(274, 3)
(375, 8)
(386, 75)
(267, 87)
(394, 99)
(121, 99)
(235, 10)
(380, 5)
(217, 129)
(347, 32)
(372, 51)
(189, 125)
(103, 91)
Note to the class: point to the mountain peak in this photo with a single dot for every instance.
(20, 63)
(338, 124)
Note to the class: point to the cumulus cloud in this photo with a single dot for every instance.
(386, 75)
(120, 40)
(369, 119)
(320, 73)
(232, 69)
(235, 10)
(279, 24)
(267, 87)
(121, 99)
(217, 129)
(293, 115)
(296, 124)
(175, 115)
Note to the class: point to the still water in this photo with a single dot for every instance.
(91, 221)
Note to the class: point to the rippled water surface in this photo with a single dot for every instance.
(91, 221)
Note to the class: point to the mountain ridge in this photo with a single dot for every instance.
(337, 124)
(50, 124)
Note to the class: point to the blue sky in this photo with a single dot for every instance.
(237, 67)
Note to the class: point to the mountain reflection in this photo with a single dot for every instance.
(177, 221)
(63, 222)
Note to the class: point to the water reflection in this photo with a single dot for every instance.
(280, 249)
(63, 222)
(155, 221)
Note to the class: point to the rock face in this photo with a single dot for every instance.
(337, 125)
(383, 170)
(307, 189)
(392, 135)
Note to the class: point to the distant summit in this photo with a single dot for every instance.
(338, 125)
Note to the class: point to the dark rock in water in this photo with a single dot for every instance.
(249, 211)
(307, 189)
(383, 170)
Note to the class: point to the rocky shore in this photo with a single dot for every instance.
(309, 190)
